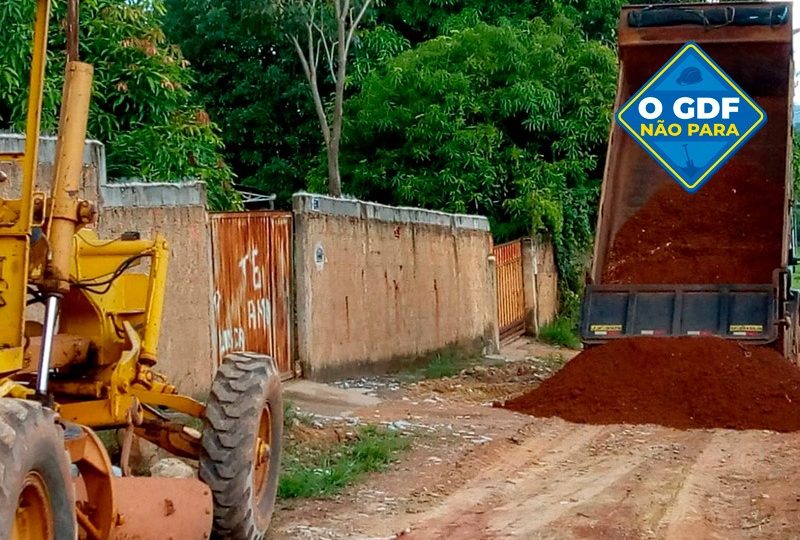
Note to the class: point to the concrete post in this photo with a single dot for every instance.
(529, 287)
(302, 294)
(546, 276)
(492, 338)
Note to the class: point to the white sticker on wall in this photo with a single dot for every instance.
(319, 257)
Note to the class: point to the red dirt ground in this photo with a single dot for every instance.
(546, 478)
(728, 232)
(675, 382)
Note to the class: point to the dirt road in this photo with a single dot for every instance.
(567, 481)
(483, 472)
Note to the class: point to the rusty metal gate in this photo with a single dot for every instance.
(510, 289)
(252, 262)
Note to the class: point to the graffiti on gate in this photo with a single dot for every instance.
(252, 268)
(247, 304)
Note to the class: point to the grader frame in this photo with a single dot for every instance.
(88, 364)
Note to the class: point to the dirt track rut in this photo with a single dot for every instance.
(571, 481)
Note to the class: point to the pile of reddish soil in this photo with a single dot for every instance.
(684, 383)
(730, 231)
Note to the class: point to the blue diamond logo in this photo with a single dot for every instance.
(691, 117)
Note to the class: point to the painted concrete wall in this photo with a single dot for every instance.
(540, 279)
(185, 348)
(378, 284)
(177, 211)
(546, 274)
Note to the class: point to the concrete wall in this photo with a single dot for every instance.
(546, 275)
(540, 278)
(177, 211)
(94, 166)
(378, 284)
(185, 349)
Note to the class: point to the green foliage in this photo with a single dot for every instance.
(507, 121)
(328, 471)
(373, 49)
(292, 415)
(253, 86)
(143, 108)
(421, 20)
(441, 367)
(182, 149)
(560, 332)
(796, 163)
(446, 364)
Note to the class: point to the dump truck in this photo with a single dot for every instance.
(718, 261)
(80, 324)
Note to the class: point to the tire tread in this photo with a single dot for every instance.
(24, 426)
(237, 394)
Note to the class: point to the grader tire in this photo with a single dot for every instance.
(241, 445)
(37, 497)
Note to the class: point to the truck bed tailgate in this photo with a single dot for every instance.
(742, 312)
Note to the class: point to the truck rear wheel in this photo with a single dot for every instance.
(37, 497)
(242, 445)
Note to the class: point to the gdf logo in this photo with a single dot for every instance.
(691, 117)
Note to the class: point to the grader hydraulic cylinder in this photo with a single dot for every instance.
(66, 211)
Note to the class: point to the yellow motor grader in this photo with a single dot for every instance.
(86, 364)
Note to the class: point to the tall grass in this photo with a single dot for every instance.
(328, 471)
(562, 332)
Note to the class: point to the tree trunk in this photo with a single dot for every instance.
(334, 180)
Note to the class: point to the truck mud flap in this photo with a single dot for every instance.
(741, 312)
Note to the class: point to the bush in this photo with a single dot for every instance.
(508, 121)
(562, 331)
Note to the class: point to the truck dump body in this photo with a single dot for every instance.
(668, 262)
(728, 232)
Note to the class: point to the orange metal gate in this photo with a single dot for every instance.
(510, 289)
(252, 261)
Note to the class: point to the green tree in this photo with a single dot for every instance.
(143, 107)
(253, 86)
(507, 121)
(322, 32)
(420, 20)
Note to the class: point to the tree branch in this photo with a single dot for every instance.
(328, 50)
(341, 68)
(354, 24)
(303, 60)
(311, 75)
(348, 17)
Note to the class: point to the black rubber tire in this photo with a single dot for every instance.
(30, 440)
(244, 385)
